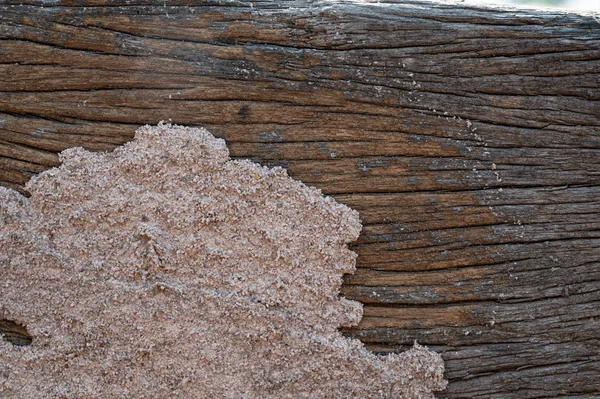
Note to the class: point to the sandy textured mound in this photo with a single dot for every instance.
(166, 270)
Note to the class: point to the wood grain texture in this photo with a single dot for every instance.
(14, 333)
(468, 139)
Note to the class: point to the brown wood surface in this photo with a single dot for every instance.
(468, 139)
(14, 333)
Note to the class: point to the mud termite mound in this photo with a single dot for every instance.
(165, 269)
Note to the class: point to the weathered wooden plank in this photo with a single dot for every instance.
(468, 139)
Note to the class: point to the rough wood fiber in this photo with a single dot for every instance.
(468, 139)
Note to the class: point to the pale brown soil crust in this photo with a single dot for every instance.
(166, 270)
